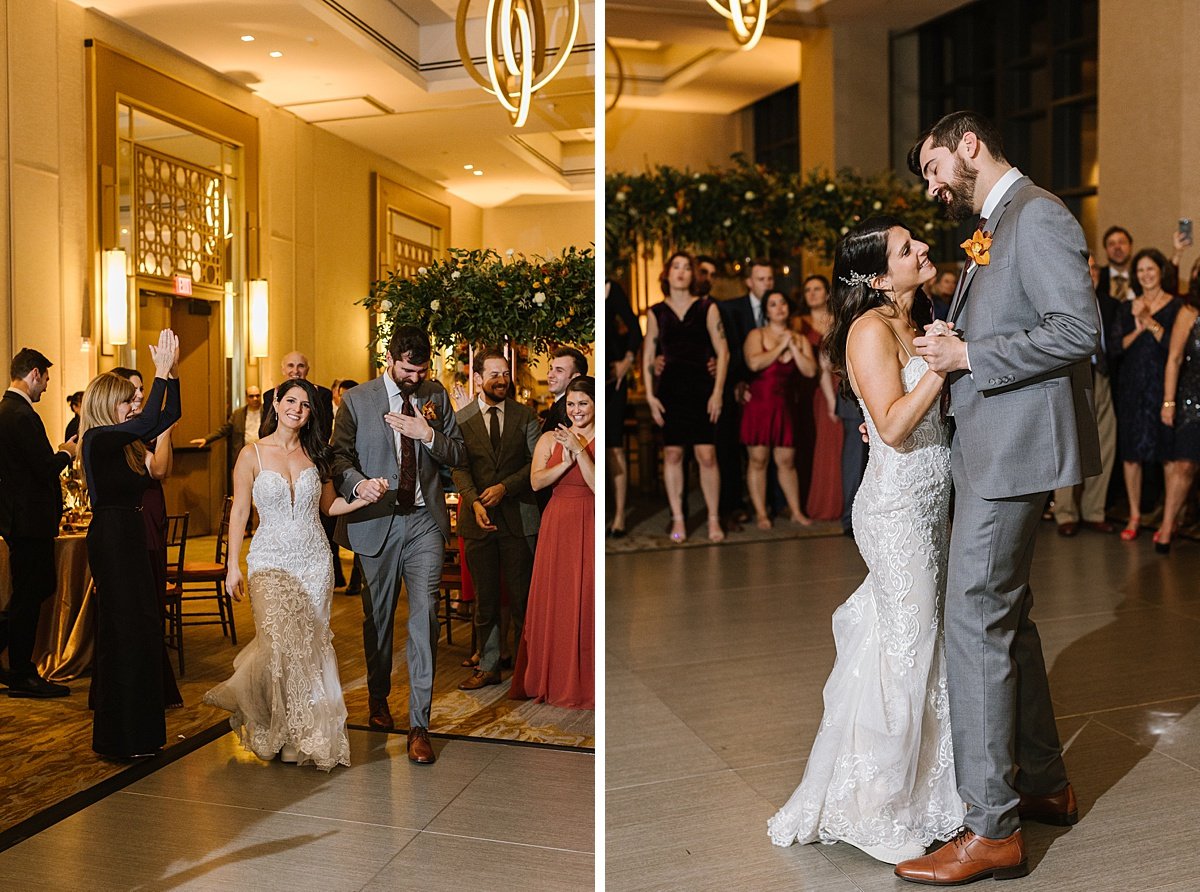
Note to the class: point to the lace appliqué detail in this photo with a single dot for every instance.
(285, 688)
(881, 771)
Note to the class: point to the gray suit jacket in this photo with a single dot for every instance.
(364, 447)
(1024, 415)
(483, 468)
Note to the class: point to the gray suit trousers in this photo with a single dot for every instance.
(414, 556)
(1002, 721)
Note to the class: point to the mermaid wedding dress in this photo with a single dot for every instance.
(285, 689)
(881, 772)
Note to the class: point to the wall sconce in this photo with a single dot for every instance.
(515, 41)
(258, 318)
(116, 297)
(228, 317)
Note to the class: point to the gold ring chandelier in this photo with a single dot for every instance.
(515, 46)
(746, 19)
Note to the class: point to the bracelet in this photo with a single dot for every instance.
(1168, 404)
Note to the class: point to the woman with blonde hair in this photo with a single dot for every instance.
(127, 677)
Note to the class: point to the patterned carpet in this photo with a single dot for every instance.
(45, 745)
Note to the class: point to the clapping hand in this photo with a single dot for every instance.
(165, 353)
(460, 396)
(571, 443)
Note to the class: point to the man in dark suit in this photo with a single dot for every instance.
(241, 427)
(295, 365)
(30, 511)
(740, 316)
(498, 515)
(566, 363)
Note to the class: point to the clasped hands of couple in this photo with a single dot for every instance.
(942, 347)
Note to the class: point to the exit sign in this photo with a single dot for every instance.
(183, 286)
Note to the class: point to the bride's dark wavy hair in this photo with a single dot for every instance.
(863, 252)
(315, 448)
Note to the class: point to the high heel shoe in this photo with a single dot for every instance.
(1162, 545)
(715, 533)
(1131, 529)
(678, 529)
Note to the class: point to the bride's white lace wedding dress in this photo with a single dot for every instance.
(285, 688)
(881, 772)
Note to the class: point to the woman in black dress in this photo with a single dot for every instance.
(622, 338)
(686, 400)
(1144, 336)
(128, 678)
(1181, 412)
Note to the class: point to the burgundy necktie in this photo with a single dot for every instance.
(406, 494)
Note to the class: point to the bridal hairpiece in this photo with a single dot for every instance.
(856, 279)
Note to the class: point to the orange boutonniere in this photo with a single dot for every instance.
(978, 247)
(429, 410)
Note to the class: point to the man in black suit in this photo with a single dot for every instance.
(740, 316)
(241, 427)
(30, 511)
(295, 365)
(566, 363)
(498, 515)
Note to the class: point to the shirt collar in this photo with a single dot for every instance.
(22, 394)
(998, 190)
(484, 405)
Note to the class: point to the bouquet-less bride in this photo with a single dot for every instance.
(881, 772)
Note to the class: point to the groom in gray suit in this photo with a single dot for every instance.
(393, 437)
(1024, 326)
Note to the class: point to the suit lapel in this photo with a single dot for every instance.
(993, 224)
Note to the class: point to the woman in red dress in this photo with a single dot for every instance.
(824, 501)
(556, 661)
(779, 358)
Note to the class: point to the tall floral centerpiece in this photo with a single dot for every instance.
(485, 298)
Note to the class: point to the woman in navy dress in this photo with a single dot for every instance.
(128, 679)
(1143, 336)
(686, 400)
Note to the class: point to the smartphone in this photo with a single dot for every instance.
(1185, 228)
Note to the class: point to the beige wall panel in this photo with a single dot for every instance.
(33, 57)
(1142, 154)
(544, 229)
(281, 274)
(816, 102)
(77, 366)
(279, 172)
(6, 307)
(861, 97)
(36, 278)
(637, 140)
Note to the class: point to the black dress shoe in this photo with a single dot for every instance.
(354, 589)
(36, 687)
(1068, 529)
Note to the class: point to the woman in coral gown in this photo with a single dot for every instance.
(824, 499)
(556, 660)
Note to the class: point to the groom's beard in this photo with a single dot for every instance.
(961, 205)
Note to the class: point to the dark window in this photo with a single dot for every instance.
(777, 130)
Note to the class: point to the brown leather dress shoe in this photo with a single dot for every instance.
(1059, 809)
(420, 750)
(1068, 529)
(480, 680)
(381, 716)
(1099, 526)
(967, 858)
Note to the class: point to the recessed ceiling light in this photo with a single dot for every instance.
(276, 54)
(479, 173)
(468, 167)
(247, 38)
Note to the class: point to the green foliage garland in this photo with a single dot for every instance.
(749, 210)
(481, 298)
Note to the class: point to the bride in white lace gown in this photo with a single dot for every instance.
(881, 772)
(285, 694)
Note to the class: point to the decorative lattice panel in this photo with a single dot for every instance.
(178, 215)
(407, 256)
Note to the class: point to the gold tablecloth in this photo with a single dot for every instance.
(66, 631)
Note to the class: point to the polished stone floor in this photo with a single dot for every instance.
(716, 658)
(485, 816)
